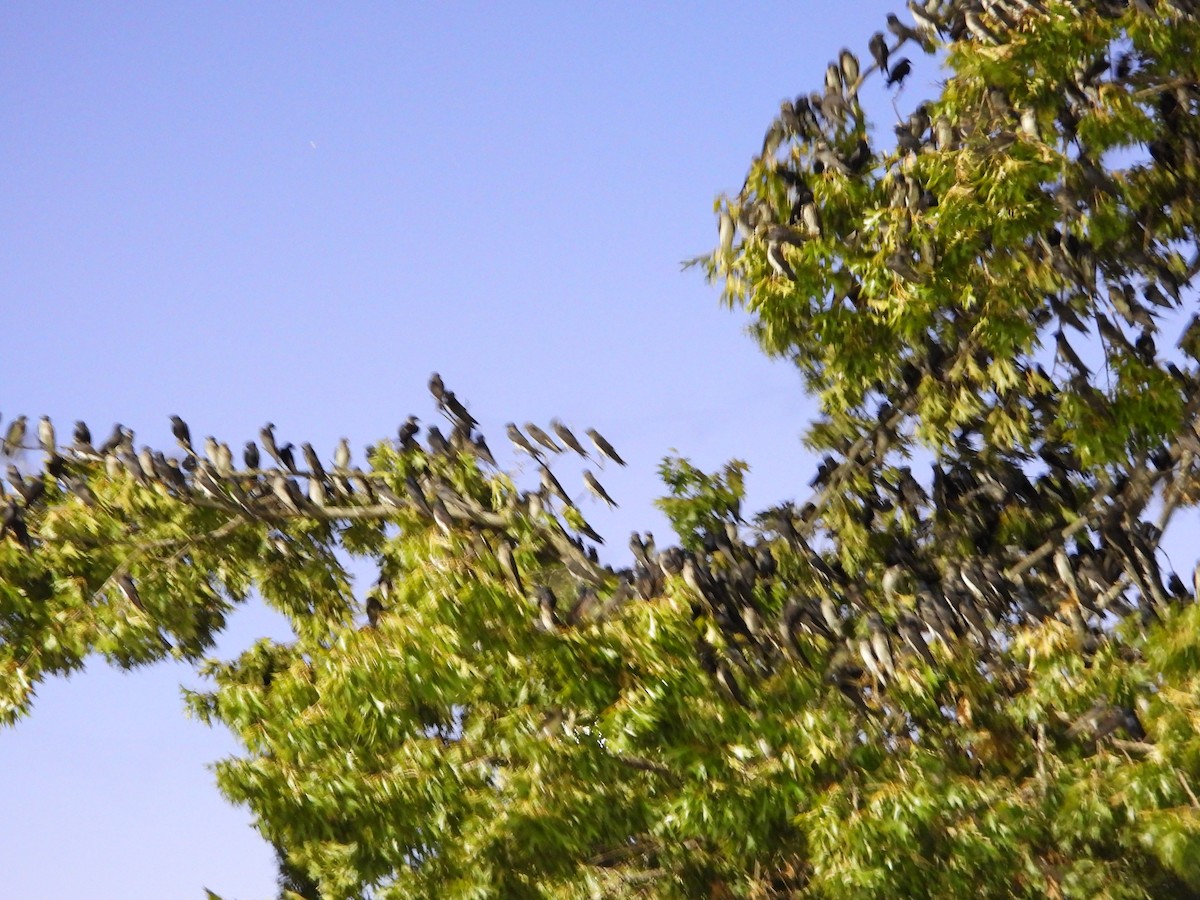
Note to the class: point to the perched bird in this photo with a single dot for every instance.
(879, 50)
(542, 438)
(250, 455)
(182, 433)
(436, 387)
(597, 488)
(14, 438)
(341, 454)
(567, 437)
(46, 436)
(520, 441)
(408, 433)
(899, 72)
(605, 448)
(457, 411)
(268, 441)
(482, 451)
(83, 436)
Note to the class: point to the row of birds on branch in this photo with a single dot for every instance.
(269, 485)
(859, 632)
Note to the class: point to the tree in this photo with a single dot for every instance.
(964, 666)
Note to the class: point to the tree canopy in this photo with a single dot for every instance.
(962, 666)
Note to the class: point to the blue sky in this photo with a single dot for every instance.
(295, 213)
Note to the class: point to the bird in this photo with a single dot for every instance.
(604, 447)
(14, 438)
(250, 455)
(542, 438)
(597, 488)
(567, 437)
(457, 411)
(436, 387)
(408, 433)
(879, 50)
(268, 441)
(899, 72)
(83, 436)
(183, 435)
(341, 454)
(46, 436)
(520, 441)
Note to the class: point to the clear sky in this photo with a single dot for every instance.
(296, 212)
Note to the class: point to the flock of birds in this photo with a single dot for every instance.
(861, 631)
(832, 624)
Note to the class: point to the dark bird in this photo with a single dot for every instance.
(457, 411)
(542, 438)
(287, 458)
(182, 433)
(1066, 353)
(374, 609)
(879, 50)
(408, 433)
(130, 592)
(14, 438)
(899, 72)
(605, 448)
(436, 387)
(597, 488)
(567, 437)
(520, 441)
(83, 436)
(482, 451)
(437, 443)
(114, 440)
(250, 455)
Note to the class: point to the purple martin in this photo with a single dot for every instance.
(268, 441)
(436, 387)
(567, 437)
(437, 443)
(182, 433)
(542, 438)
(46, 436)
(113, 441)
(287, 458)
(605, 448)
(341, 454)
(250, 455)
(547, 607)
(879, 50)
(14, 438)
(408, 433)
(83, 436)
(520, 441)
(457, 411)
(597, 488)
(899, 72)
(312, 460)
(482, 451)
